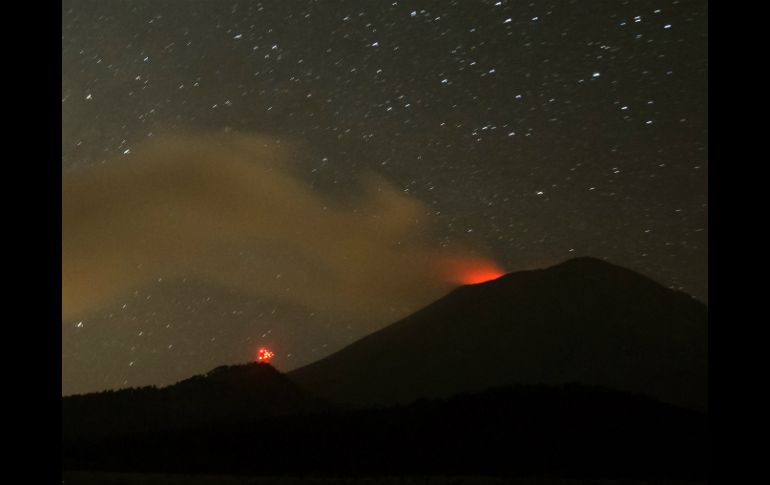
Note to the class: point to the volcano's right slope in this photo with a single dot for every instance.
(583, 321)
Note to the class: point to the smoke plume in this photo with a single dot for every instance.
(231, 210)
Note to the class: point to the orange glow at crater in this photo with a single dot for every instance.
(480, 275)
(264, 355)
(471, 270)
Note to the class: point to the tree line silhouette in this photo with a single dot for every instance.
(572, 431)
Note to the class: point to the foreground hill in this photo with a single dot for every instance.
(569, 431)
(583, 321)
(226, 395)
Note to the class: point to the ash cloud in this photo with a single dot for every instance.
(230, 210)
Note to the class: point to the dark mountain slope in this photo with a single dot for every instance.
(583, 321)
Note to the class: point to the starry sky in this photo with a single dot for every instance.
(298, 174)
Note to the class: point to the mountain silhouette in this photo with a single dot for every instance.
(582, 321)
(226, 395)
(584, 369)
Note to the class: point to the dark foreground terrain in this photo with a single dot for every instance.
(570, 431)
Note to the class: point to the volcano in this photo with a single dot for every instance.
(582, 369)
(583, 321)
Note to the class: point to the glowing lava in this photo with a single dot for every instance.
(471, 271)
(264, 355)
(481, 275)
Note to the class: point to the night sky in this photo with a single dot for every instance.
(298, 174)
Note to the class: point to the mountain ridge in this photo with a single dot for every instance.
(567, 431)
(581, 302)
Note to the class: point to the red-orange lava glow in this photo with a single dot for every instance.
(264, 355)
(471, 270)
